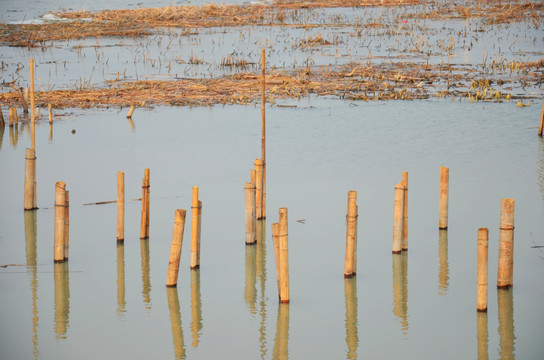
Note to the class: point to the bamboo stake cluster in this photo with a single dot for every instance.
(175, 249)
(30, 180)
(281, 249)
(61, 225)
(483, 240)
(505, 273)
(120, 206)
(350, 263)
(144, 225)
(195, 229)
(444, 194)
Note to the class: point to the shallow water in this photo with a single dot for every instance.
(110, 301)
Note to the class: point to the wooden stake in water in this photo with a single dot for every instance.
(32, 106)
(120, 206)
(404, 239)
(263, 136)
(12, 117)
(30, 164)
(351, 229)
(284, 257)
(195, 231)
(131, 111)
(175, 249)
(50, 111)
(251, 231)
(259, 163)
(2, 122)
(398, 218)
(144, 228)
(276, 244)
(444, 194)
(60, 204)
(505, 274)
(541, 119)
(481, 303)
(66, 225)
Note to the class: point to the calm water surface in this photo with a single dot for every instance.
(111, 301)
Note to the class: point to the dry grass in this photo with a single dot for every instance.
(399, 81)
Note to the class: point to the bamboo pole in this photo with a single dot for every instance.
(175, 249)
(398, 218)
(284, 257)
(199, 232)
(541, 120)
(251, 234)
(50, 111)
(11, 117)
(505, 272)
(66, 225)
(144, 226)
(195, 264)
(263, 136)
(131, 111)
(404, 239)
(259, 163)
(481, 303)
(276, 244)
(444, 194)
(351, 226)
(30, 163)
(32, 105)
(120, 206)
(60, 204)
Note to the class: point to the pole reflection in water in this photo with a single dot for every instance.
(261, 275)
(505, 302)
(50, 133)
(482, 334)
(443, 271)
(131, 124)
(31, 231)
(175, 320)
(62, 299)
(121, 304)
(250, 293)
(352, 333)
(2, 128)
(146, 282)
(400, 289)
(281, 345)
(196, 306)
(13, 135)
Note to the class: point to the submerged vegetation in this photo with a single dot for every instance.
(405, 74)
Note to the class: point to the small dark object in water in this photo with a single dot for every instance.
(73, 131)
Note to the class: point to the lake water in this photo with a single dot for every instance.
(110, 300)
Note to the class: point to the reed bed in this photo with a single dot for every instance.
(367, 82)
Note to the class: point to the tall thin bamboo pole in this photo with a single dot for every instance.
(147, 176)
(120, 206)
(259, 188)
(284, 256)
(398, 218)
(32, 105)
(404, 240)
(67, 225)
(541, 119)
(194, 230)
(444, 194)
(483, 236)
(144, 228)
(251, 233)
(199, 232)
(505, 272)
(11, 117)
(60, 203)
(50, 111)
(131, 111)
(351, 225)
(263, 136)
(276, 244)
(175, 249)
(30, 163)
